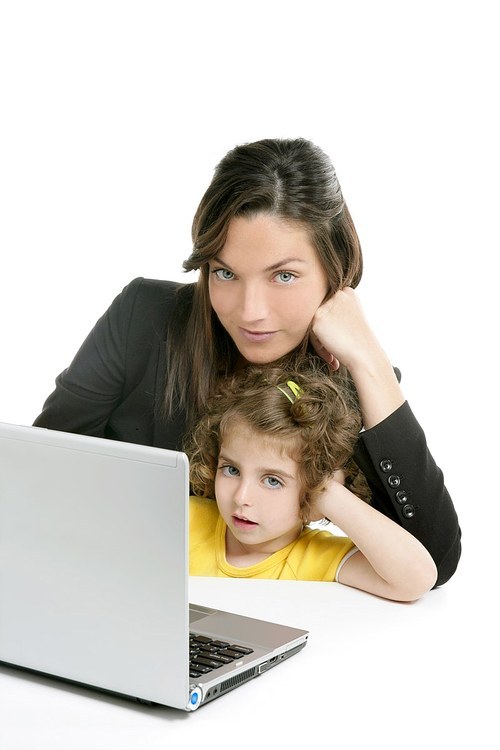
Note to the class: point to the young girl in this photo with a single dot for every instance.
(275, 450)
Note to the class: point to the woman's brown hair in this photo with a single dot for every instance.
(319, 429)
(293, 180)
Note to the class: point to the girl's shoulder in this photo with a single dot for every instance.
(317, 554)
(203, 510)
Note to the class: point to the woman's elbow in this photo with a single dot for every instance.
(447, 563)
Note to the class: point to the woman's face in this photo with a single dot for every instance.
(265, 286)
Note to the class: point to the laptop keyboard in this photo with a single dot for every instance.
(207, 654)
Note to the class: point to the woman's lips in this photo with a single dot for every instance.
(257, 336)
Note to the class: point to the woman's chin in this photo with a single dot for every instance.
(250, 355)
(257, 359)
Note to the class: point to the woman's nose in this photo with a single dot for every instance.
(253, 303)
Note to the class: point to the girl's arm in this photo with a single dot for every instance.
(406, 484)
(391, 562)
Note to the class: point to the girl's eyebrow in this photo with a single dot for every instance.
(274, 266)
(261, 469)
(226, 459)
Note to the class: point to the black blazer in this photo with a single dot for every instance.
(114, 389)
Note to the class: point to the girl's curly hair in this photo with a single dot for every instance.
(319, 429)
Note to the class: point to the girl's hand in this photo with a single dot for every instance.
(340, 332)
(322, 506)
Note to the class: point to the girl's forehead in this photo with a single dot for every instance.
(240, 430)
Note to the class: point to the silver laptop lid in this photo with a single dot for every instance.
(89, 589)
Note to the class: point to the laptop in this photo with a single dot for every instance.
(94, 575)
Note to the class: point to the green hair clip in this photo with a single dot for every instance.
(295, 389)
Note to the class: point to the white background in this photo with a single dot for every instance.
(113, 116)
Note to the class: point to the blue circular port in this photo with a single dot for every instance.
(195, 697)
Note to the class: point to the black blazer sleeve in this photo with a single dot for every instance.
(408, 487)
(88, 391)
(114, 386)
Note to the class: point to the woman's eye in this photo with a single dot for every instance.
(229, 471)
(223, 274)
(285, 277)
(272, 482)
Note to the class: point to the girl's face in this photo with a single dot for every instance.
(266, 285)
(258, 494)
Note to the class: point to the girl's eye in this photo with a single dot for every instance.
(229, 471)
(273, 483)
(223, 274)
(285, 277)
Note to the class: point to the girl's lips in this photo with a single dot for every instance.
(243, 523)
(257, 336)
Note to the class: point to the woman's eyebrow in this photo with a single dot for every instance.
(284, 262)
(273, 267)
(218, 259)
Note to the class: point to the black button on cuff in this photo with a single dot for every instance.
(393, 480)
(386, 465)
(408, 511)
(401, 497)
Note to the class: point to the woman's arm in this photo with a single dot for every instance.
(89, 389)
(115, 385)
(108, 390)
(391, 562)
(341, 335)
(406, 484)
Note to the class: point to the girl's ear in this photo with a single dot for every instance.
(313, 517)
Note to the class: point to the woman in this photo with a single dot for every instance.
(279, 258)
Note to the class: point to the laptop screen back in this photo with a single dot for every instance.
(94, 562)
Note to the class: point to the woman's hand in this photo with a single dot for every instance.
(340, 334)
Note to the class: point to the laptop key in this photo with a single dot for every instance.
(200, 667)
(208, 662)
(218, 657)
(231, 653)
(241, 649)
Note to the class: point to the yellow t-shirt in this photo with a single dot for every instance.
(314, 556)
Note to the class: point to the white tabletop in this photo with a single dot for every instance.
(374, 674)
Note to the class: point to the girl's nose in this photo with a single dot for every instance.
(242, 495)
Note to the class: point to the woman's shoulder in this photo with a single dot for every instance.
(153, 301)
(154, 291)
